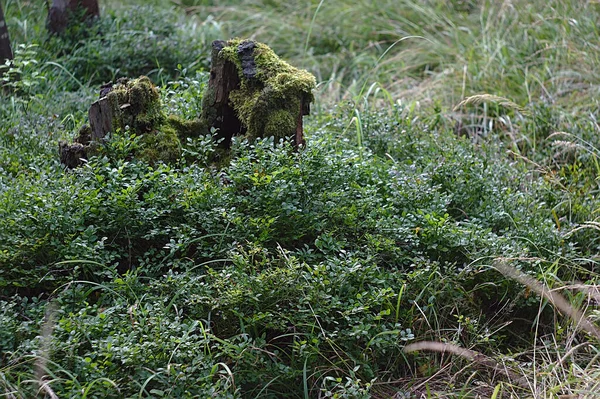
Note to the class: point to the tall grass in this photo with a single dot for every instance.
(527, 51)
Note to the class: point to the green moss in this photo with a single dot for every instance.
(279, 121)
(230, 53)
(136, 106)
(185, 128)
(162, 145)
(136, 103)
(260, 103)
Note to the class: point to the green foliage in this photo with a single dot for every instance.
(297, 254)
(139, 41)
(22, 75)
(281, 273)
(183, 97)
(131, 41)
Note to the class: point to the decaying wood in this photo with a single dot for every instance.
(5, 49)
(217, 110)
(299, 136)
(249, 92)
(101, 123)
(216, 107)
(304, 110)
(101, 119)
(71, 155)
(131, 106)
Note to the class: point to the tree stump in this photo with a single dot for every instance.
(132, 106)
(101, 115)
(61, 13)
(71, 155)
(5, 49)
(252, 91)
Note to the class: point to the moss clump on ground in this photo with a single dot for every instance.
(161, 145)
(268, 102)
(186, 128)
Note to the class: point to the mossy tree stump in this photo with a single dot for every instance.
(252, 91)
(132, 105)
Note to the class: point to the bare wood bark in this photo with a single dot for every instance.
(216, 108)
(5, 49)
(101, 123)
(101, 118)
(299, 136)
(71, 154)
(304, 110)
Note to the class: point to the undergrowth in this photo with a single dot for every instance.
(452, 201)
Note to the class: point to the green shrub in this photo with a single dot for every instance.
(135, 41)
(282, 273)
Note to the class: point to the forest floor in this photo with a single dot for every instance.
(437, 236)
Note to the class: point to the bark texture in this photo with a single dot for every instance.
(5, 49)
(216, 108)
(101, 117)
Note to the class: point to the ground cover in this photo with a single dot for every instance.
(447, 192)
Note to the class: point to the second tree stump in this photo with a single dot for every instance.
(252, 91)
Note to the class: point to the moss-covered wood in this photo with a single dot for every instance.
(135, 106)
(252, 91)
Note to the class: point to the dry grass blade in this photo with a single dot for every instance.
(468, 354)
(490, 98)
(556, 299)
(559, 134)
(42, 359)
(565, 144)
(586, 225)
(47, 390)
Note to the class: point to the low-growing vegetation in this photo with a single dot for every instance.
(436, 236)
